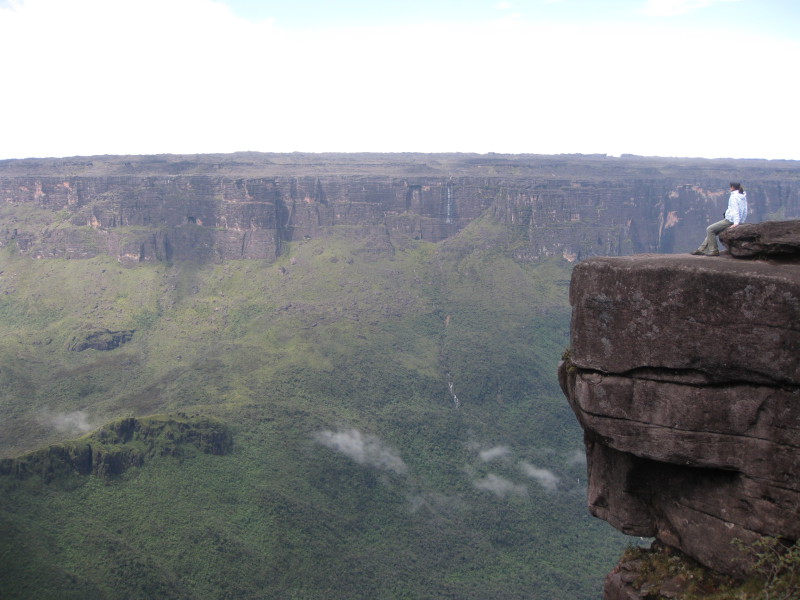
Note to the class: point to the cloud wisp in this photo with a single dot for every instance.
(495, 453)
(546, 478)
(503, 487)
(73, 423)
(576, 458)
(500, 486)
(365, 449)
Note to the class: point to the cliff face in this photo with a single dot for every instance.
(684, 373)
(212, 208)
(211, 218)
(122, 444)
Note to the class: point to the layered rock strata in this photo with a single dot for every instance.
(222, 207)
(684, 373)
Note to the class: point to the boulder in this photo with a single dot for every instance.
(772, 239)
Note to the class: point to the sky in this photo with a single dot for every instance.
(672, 78)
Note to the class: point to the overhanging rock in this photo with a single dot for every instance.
(684, 372)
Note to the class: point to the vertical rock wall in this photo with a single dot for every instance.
(573, 207)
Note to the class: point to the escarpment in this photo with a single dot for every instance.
(684, 373)
(211, 208)
(119, 445)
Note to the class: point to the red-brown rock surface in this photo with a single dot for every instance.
(210, 208)
(772, 239)
(684, 372)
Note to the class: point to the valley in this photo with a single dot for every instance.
(334, 359)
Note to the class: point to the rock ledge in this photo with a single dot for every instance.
(684, 373)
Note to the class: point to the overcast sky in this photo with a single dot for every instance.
(710, 78)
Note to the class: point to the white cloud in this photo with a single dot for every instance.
(364, 449)
(494, 453)
(127, 76)
(500, 486)
(187, 76)
(671, 8)
(73, 423)
(546, 478)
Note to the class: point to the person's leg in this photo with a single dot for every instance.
(712, 231)
(702, 247)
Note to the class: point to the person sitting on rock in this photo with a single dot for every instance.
(736, 213)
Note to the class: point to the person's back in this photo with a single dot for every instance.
(737, 205)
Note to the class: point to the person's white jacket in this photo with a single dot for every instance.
(737, 207)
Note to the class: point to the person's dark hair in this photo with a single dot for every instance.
(738, 187)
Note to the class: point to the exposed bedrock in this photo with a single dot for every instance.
(684, 373)
(772, 239)
(214, 208)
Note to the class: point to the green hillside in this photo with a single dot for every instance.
(354, 471)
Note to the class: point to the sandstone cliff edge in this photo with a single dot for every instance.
(213, 208)
(684, 373)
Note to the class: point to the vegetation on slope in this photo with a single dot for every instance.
(661, 572)
(354, 472)
(119, 445)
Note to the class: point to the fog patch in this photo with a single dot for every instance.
(494, 453)
(500, 486)
(365, 449)
(546, 478)
(436, 504)
(74, 423)
(577, 458)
